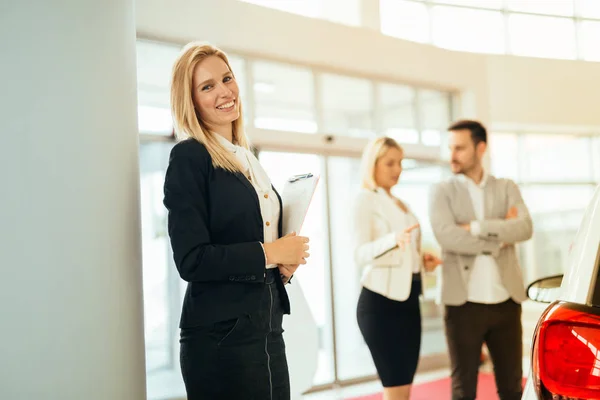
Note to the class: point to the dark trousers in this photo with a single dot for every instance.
(243, 358)
(498, 325)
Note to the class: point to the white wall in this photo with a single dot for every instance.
(537, 91)
(500, 90)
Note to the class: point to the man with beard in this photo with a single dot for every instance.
(477, 220)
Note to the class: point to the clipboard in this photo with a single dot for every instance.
(296, 198)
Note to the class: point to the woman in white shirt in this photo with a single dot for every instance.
(387, 248)
(224, 224)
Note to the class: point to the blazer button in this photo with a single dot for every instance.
(266, 196)
(466, 267)
(268, 223)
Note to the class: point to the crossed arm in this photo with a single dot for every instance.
(479, 237)
(515, 227)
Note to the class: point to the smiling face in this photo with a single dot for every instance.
(215, 93)
(388, 168)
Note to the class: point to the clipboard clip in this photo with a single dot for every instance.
(298, 177)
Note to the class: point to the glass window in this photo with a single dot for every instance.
(156, 255)
(346, 12)
(404, 19)
(154, 64)
(341, 11)
(415, 184)
(542, 36)
(397, 107)
(154, 120)
(284, 97)
(492, 4)
(308, 8)
(556, 212)
(468, 30)
(504, 155)
(596, 158)
(431, 137)
(314, 276)
(545, 199)
(162, 305)
(434, 115)
(417, 172)
(354, 359)
(553, 7)
(589, 8)
(347, 105)
(589, 40)
(238, 67)
(434, 109)
(557, 158)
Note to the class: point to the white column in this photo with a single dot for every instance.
(71, 319)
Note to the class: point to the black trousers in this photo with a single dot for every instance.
(243, 358)
(498, 325)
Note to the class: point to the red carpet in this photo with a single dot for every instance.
(440, 390)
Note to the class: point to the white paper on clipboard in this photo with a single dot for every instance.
(296, 197)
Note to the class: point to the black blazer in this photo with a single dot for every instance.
(216, 227)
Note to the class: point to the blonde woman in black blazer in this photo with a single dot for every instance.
(224, 221)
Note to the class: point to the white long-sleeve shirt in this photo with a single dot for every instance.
(269, 204)
(485, 284)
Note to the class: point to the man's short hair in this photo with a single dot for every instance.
(478, 132)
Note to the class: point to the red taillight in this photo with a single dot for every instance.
(566, 354)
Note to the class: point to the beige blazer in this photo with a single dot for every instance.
(386, 269)
(450, 204)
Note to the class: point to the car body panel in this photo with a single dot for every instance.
(581, 272)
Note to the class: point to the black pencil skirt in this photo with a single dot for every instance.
(243, 358)
(392, 331)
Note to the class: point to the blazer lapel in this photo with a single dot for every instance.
(489, 196)
(465, 199)
(280, 225)
(249, 186)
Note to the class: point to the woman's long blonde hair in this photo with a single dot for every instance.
(374, 150)
(187, 121)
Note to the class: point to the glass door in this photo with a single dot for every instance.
(162, 285)
(331, 281)
(314, 276)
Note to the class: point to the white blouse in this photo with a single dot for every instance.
(269, 204)
(387, 269)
